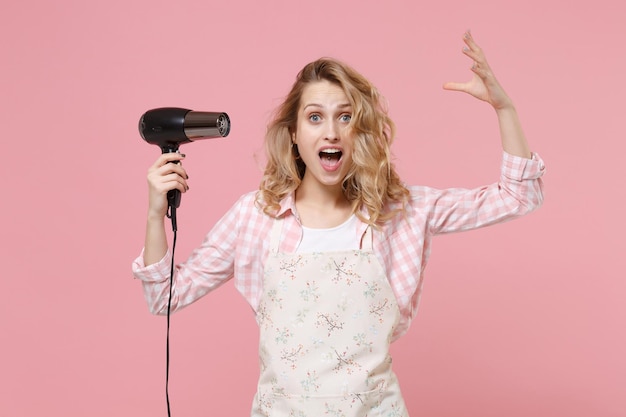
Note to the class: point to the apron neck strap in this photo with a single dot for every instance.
(367, 240)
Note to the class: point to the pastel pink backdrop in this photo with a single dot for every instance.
(526, 318)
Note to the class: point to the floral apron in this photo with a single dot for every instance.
(325, 322)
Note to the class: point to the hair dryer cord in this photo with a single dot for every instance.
(171, 214)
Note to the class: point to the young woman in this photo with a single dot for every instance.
(330, 252)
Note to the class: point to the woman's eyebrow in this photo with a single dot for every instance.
(341, 106)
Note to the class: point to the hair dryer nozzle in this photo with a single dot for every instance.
(169, 127)
(202, 124)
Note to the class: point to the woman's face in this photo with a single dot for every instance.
(322, 134)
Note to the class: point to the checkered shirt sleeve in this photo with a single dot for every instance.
(233, 241)
(404, 247)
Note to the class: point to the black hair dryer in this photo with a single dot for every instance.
(170, 127)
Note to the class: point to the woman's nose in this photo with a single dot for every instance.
(332, 131)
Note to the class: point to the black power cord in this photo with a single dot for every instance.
(172, 216)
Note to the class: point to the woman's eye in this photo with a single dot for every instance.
(314, 118)
(346, 117)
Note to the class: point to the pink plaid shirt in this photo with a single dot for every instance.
(237, 245)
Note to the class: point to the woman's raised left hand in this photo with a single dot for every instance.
(483, 85)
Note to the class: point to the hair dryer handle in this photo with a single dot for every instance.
(173, 196)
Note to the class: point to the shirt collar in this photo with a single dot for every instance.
(288, 204)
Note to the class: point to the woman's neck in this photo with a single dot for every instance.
(322, 207)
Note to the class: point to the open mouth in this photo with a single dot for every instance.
(330, 157)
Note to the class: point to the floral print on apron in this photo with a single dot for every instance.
(325, 322)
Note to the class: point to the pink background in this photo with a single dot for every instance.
(523, 319)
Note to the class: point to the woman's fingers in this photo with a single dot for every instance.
(168, 163)
(167, 173)
(456, 86)
(166, 158)
(471, 48)
(480, 66)
(169, 168)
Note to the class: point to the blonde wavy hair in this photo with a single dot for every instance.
(372, 181)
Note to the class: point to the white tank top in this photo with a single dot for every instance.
(342, 237)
